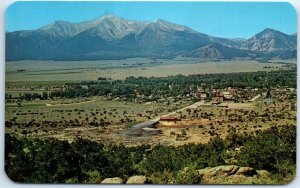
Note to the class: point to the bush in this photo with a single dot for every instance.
(84, 161)
(270, 149)
(93, 176)
(164, 177)
(188, 176)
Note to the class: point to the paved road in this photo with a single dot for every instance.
(193, 106)
(149, 123)
(254, 98)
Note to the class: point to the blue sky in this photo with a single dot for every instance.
(230, 20)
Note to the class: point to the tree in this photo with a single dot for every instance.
(45, 95)
(270, 148)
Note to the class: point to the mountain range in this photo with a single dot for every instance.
(112, 37)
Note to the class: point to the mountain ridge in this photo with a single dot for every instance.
(113, 37)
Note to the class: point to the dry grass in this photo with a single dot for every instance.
(198, 129)
(120, 69)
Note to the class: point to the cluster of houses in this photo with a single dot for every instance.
(218, 96)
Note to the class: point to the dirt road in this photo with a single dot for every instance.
(70, 104)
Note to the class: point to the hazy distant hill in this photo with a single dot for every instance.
(112, 37)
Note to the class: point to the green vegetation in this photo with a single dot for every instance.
(85, 161)
(274, 151)
(176, 85)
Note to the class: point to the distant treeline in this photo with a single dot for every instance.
(83, 161)
(173, 86)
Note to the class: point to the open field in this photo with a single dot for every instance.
(116, 115)
(201, 129)
(70, 109)
(198, 124)
(58, 71)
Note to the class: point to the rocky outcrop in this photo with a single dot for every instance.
(263, 173)
(226, 174)
(230, 174)
(246, 171)
(115, 180)
(137, 180)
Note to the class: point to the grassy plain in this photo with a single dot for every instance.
(119, 114)
(41, 72)
(55, 110)
(198, 127)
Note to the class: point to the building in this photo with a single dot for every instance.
(232, 91)
(218, 97)
(168, 121)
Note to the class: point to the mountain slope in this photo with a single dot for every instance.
(270, 40)
(112, 37)
(64, 29)
(166, 39)
(110, 27)
(217, 51)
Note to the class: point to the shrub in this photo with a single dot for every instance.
(188, 176)
(270, 149)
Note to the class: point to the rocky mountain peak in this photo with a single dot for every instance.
(108, 18)
(63, 29)
(164, 25)
(112, 27)
(270, 40)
